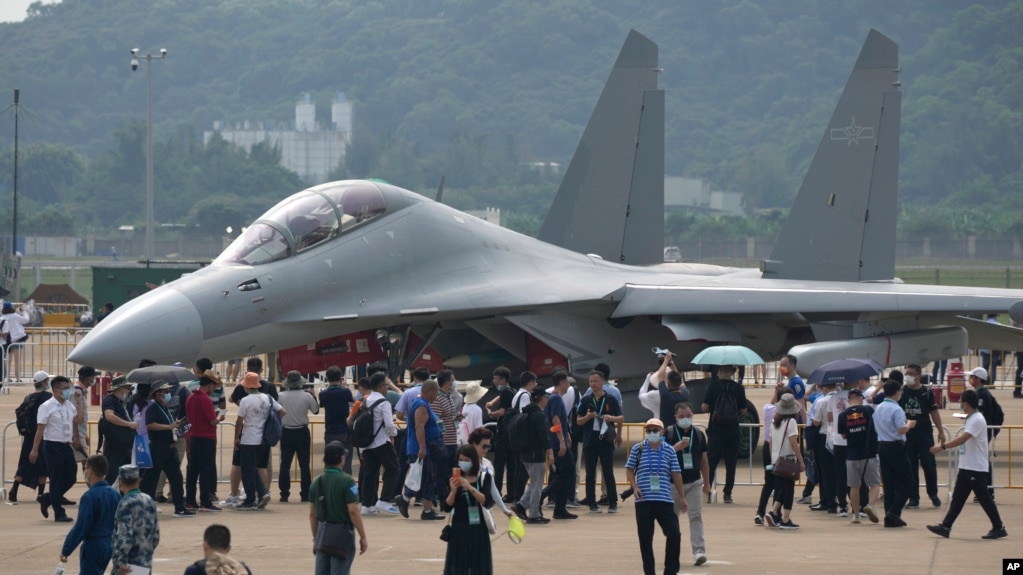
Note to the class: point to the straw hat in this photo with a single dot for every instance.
(474, 392)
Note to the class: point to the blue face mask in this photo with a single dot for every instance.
(465, 466)
(66, 394)
(685, 422)
(653, 436)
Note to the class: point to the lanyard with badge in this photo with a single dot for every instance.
(598, 422)
(472, 510)
(655, 475)
(687, 452)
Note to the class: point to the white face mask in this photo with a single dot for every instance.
(653, 436)
(685, 422)
(909, 379)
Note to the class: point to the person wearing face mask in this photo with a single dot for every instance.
(497, 408)
(690, 445)
(117, 429)
(136, 528)
(57, 435)
(161, 428)
(95, 525)
(469, 540)
(653, 471)
(918, 403)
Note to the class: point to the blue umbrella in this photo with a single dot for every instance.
(844, 370)
(727, 355)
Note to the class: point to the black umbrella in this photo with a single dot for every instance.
(169, 373)
(845, 370)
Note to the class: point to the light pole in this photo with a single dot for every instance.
(149, 142)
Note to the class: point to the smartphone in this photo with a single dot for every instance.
(456, 472)
(221, 412)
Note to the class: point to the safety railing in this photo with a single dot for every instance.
(992, 455)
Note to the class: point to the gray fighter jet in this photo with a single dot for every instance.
(366, 257)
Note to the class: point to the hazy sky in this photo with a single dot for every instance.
(14, 10)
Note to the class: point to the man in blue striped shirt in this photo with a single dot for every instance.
(652, 471)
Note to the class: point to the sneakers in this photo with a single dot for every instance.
(263, 501)
(192, 506)
(728, 498)
(942, 530)
(602, 501)
(184, 513)
(613, 507)
(758, 520)
(912, 504)
(210, 507)
(788, 525)
(161, 499)
(893, 521)
(66, 519)
(246, 507)
(805, 500)
(431, 515)
(699, 559)
(573, 504)
(232, 501)
(367, 511)
(594, 509)
(402, 505)
(936, 500)
(519, 510)
(855, 519)
(869, 510)
(843, 512)
(771, 520)
(995, 533)
(387, 507)
(819, 507)
(565, 515)
(541, 520)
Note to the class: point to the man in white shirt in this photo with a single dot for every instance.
(379, 453)
(973, 469)
(253, 410)
(57, 434)
(837, 403)
(823, 456)
(299, 401)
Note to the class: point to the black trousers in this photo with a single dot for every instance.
(812, 472)
(561, 483)
(373, 459)
(166, 461)
(825, 462)
(841, 478)
(647, 512)
(62, 471)
(343, 439)
(117, 455)
(768, 488)
(975, 481)
(896, 476)
(918, 449)
(602, 451)
(248, 459)
(784, 491)
(723, 443)
(201, 468)
(500, 462)
(295, 442)
(517, 475)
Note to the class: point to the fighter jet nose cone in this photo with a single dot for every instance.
(163, 326)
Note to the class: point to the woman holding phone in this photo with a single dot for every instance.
(469, 540)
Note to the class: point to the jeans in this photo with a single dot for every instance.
(723, 443)
(248, 457)
(62, 471)
(646, 513)
(327, 565)
(603, 451)
(975, 481)
(531, 494)
(896, 476)
(373, 460)
(295, 441)
(202, 467)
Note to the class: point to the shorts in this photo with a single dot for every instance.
(862, 471)
(262, 462)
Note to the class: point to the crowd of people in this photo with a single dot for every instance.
(440, 459)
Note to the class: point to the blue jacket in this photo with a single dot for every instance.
(95, 516)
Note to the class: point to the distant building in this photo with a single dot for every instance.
(492, 215)
(695, 194)
(306, 148)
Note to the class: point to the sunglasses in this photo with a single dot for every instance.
(485, 446)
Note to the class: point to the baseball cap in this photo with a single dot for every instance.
(41, 376)
(978, 372)
(855, 393)
(537, 393)
(654, 422)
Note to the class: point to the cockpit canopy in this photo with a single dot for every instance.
(307, 219)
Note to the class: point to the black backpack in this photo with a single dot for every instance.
(517, 424)
(26, 413)
(363, 432)
(726, 410)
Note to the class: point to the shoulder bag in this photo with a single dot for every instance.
(333, 539)
(786, 466)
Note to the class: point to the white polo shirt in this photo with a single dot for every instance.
(59, 419)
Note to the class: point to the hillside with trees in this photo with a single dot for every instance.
(475, 90)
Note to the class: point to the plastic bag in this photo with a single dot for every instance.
(414, 479)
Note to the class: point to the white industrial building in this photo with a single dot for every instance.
(306, 147)
(694, 193)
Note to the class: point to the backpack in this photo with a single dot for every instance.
(726, 411)
(362, 432)
(517, 426)
(26, 413)
(273, 427)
